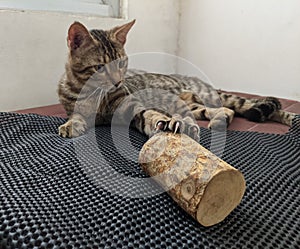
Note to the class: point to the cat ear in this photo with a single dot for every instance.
(120, 33)
(78, 35)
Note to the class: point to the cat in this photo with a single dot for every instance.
(95, 87)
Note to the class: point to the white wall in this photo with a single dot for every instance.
(244, 45)
(33, 47)
(251, 46)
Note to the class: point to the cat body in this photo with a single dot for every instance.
(97, 87)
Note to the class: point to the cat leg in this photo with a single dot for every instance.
(257, 110)
(283, 117)
(268, 108)
(74, 127)
(151, 121)
(260, 110)
(220, 118)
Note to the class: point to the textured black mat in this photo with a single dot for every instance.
(50, 197)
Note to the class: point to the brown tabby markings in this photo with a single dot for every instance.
(94, 88)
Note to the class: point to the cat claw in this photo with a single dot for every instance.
(161, 126)
(185, 125)
(194, 132)
(177, 126)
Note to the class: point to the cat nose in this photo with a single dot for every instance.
(116, 79)
(117, 84)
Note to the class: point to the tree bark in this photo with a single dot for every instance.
(201, 183)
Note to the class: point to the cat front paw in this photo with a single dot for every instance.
(177, 124)
(72, 129)
(219, 125)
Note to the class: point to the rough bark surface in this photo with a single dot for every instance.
(201, 183)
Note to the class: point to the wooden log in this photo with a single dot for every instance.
(201, 183)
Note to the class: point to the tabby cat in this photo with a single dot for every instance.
(95, 87)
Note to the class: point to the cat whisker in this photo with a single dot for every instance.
(133, 89)
(126, 89)
(89, 96)
(101, 96)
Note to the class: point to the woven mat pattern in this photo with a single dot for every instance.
(54, 194)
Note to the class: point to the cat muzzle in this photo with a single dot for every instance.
(118, 83)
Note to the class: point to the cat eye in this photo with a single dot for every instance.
(100, 68)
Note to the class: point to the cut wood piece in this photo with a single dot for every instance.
(201, 183)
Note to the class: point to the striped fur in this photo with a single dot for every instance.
(95, 89)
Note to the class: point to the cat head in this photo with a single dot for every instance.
(98, 55)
